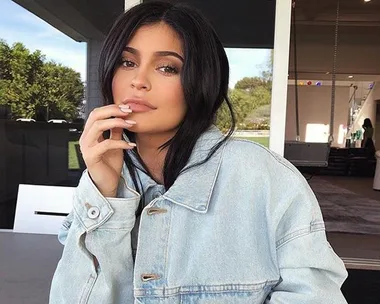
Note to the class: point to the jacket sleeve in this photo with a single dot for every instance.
(65, 227)
(86, 185)
(96, 262)
(310, 271)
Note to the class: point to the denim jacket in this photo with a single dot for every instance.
(242, 228)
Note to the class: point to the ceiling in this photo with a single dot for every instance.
(358, 46)
(250, 24)
(79, 19)
(241, 24)
(352, 12)
(91, 19)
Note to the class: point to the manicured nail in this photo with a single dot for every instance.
(130, 122)
(125, 109)
(132, 144)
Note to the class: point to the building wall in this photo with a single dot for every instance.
(314, 108)
(93, 94)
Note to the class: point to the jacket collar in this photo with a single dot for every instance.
(193, 188)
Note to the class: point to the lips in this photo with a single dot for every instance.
(139, 105)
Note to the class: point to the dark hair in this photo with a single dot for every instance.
(204, 77)
(367, 123)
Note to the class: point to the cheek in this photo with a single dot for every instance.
(177, 99)
(178, 105)
(118, 87)
(114, 88)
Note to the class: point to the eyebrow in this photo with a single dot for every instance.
(158, 53)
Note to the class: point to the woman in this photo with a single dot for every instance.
(188, 215)
(367, 141)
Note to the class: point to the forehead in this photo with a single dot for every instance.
(156, 37)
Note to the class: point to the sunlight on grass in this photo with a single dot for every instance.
(261, 140)
(73, 159)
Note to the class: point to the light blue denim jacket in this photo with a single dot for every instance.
(242, 228)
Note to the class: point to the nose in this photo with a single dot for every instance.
(141, 82)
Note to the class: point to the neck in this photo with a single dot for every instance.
(148, 146)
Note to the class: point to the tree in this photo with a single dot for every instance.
(29, 84)
(250, 98)
(243, 104)
(249, 84)
(64, 92)
(267, 74)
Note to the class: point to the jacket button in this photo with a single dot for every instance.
(93, 212)
(154, 210)
(149, 277)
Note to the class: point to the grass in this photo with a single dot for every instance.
(74, 164)
(73, 159)
(261, 140)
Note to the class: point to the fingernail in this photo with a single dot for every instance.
(125, 110)
(132, 144)
(130, 122)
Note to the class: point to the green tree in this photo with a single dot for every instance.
(267, 74)
(249, 84)
(64, 91)
(28, 84)
(248, 98)
(243, 104)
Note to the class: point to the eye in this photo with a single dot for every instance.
(127, 63)
(168, 69)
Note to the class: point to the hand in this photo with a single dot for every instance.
(104, 157)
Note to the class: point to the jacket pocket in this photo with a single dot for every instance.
(226, 294)
(210, 294)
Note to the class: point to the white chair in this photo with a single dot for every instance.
(376, 180)
(41, 209)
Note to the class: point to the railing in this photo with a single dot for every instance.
(359, 97)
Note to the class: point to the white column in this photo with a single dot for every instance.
(93, 95)
(280, 76)
(131, 3)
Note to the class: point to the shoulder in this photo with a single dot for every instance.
(278, 189)
(254, 164)
(252, 155)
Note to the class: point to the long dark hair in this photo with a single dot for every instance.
(367, 123)
(204, 77)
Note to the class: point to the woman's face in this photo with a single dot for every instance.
(149, 81)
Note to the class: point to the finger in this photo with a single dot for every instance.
(116, 134)
(94, 154)
(100, 126)
(105, 112)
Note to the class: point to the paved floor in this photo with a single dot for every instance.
(358, 251)
(359, 185)
(27, 264)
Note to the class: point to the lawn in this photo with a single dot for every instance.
(73, 159)
(74, 164)
(261, 140)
